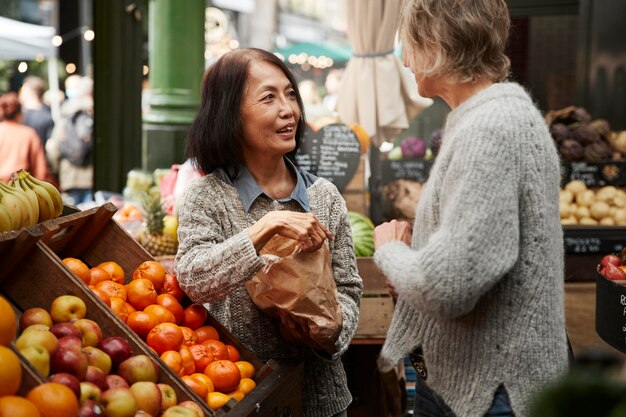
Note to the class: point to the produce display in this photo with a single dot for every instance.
(362, 234)
(26, 201)
(155, 238)
(579, 204)
(613, 267)
(152, 304)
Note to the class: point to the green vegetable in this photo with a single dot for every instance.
(362, 234)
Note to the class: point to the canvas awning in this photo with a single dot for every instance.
(338, 53)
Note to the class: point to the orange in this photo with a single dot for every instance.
(79, 268)
(217, 348)
(174, 361)
(201, 357)
(246, 385)
(216, 400)
(188, 364)
(98, 275)
(206, 332)
(10, 372)
(171, 303)
(54, 400)
(119, 307)
(196, 385)
(204, 379)
(170, 286)
(224, 374)
(236, 394)
(162, 314)
(101, 295)
(195, 316)
(189, 336)
(8, 323)
(165, 336)
(141, 322)
(114, 270)
(14, 406)
(233, 353)
(141, 293)
(113, 289)
(246, 369)
(153, 271)
(362, 136)
(129, 308)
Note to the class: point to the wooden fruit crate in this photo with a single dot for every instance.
(376, 304)
(14, 246)
(94, 237)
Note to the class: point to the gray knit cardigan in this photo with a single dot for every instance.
(481, 287)
(216, 257)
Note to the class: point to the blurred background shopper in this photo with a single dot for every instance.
(480, 282)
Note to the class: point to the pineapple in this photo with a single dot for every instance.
(152, 238)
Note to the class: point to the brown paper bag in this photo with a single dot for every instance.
(302, 285)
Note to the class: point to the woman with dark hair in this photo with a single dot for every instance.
(244, 139)
(20, 147)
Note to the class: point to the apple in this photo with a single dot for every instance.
(181, 411)
(193, 406)
(141, 413)
(70, 342)
(69, 360)
(117, 348)
(68, 380)
(119, 402)
(168, 396)
(67, 307)
(610, 259)
(34, 337)
(148, 396)
(37, 327)
(65, 329)
(97, 357)
(96, 376)
(89, 391)
(614, 273)
(116, 381)
(90, 408)
(90, 331)
(35, 315)
(138, 368)
(38, 357)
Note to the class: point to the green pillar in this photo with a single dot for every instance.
(176, 45)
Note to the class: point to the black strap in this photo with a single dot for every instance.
(418, 362)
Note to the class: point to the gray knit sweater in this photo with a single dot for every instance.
(481, 287)
(216, 257)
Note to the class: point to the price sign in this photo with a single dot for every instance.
(601, 240)
(333, 153)
(596, 174)
(409, 169)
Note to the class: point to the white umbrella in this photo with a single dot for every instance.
(376, 92)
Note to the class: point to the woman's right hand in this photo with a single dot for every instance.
(304, 228)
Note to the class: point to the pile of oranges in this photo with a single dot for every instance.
(153, 305)
(45, 400)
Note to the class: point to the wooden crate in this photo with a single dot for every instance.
(94, 237)
(376, 304)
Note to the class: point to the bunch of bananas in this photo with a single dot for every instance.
(26, 201)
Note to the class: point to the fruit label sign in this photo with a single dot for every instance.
(607, 239)
(333, 153)
(410, 169)
(582, 245)
(596, 174)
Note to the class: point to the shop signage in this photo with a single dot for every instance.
(333, 153)
(596, 174)
(409, 169)
(581, 240)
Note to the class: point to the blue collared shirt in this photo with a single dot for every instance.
(249, 190)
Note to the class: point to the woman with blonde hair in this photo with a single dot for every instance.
(479, 278)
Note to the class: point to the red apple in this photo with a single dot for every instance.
(138, 368)
(117, 348)
(148, 396)
(68, 380)
(35, 315)
(38, 357)
(65, 329)
(97, 376)
(186, 410)
(33, 336)
(168, 396)
(89, 391)
(90, 408)
(97, 357)
(67, 307)
(116, 381)
(119, 402)
(69, 360)
(614, 273)
(610, 259)
(90, 331)
(70, 342)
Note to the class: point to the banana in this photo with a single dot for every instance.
(29, 216)
(46, 206)
(5, 220)
(14, 206)
(33, 202)
(54, 194)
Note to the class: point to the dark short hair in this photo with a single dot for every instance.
(215, 136)
(10, 106)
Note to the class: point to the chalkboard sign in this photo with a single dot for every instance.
(409, 169)
(596, 174)
(333, 153)
(603, 240)
(611, 312)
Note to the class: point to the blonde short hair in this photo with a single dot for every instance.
(463, 40)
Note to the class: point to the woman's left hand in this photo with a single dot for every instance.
(393, 230)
